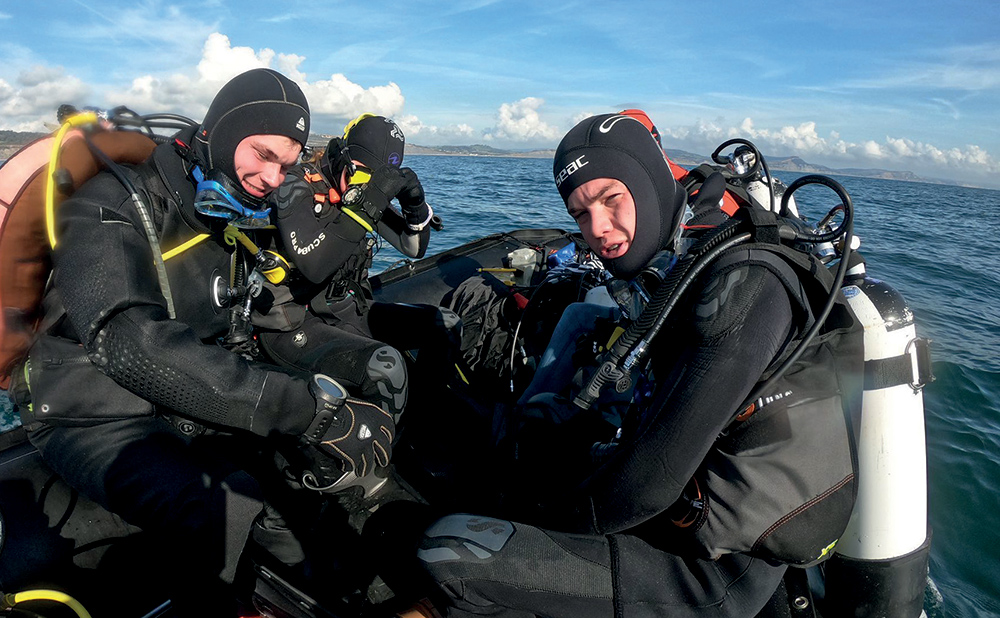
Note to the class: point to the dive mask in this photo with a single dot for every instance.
(214, 197)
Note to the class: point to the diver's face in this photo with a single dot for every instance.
(605, 211)
(261, 162)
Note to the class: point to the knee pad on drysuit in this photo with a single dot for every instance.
(370, 369)
(385, 381)
(464, 537)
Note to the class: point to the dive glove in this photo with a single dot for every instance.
(353, 437)
(370, 199)
(412, 202)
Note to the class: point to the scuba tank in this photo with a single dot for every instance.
(748, 170)
(880, 564)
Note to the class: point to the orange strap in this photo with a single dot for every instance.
(729, 205)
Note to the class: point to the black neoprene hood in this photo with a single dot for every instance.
(620, 147)
(257, 102)
(373, 141)
(376, 141)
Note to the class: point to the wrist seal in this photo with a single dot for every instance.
(418, 227)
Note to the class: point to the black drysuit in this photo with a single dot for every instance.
(105, 376)
(327, 321)
(595, 549)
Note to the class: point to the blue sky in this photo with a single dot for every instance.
(896, 85)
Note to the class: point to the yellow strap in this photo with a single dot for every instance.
(359, 177)
(614, 336)
(50, 184)
(233, 234)
(230, 235)
(27, 380)
(350, 213)
(181, 249)
(354, 123)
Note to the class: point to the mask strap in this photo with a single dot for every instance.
(354, 123)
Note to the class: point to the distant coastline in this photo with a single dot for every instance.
(12, 141)
(687, 159)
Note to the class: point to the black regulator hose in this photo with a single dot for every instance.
(177, 119)
(632, 344)
(718, 158)
(147, 222)
(846, 205)
(846, 229)
(122, 116)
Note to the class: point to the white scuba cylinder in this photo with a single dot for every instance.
(760, 194)
(890, 515)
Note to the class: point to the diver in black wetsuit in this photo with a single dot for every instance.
(579, 535)
(123, 357)
(334, 327)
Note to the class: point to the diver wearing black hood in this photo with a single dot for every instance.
(598, 536)
(334, 326)
(116, 367)
(621, 148)
(258, 102)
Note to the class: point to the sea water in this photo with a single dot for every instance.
(936, 244)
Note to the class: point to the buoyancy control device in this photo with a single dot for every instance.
(873, 551)
(806, 394)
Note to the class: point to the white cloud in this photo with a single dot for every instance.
(33, 98)
(412, 127)
(220, 61)
(520, 122)
(871, 149)
(801, 139)
(805, 141)
(341, 98)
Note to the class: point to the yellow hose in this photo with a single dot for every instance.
(184, 247)
(50, 183)
(11, 600)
